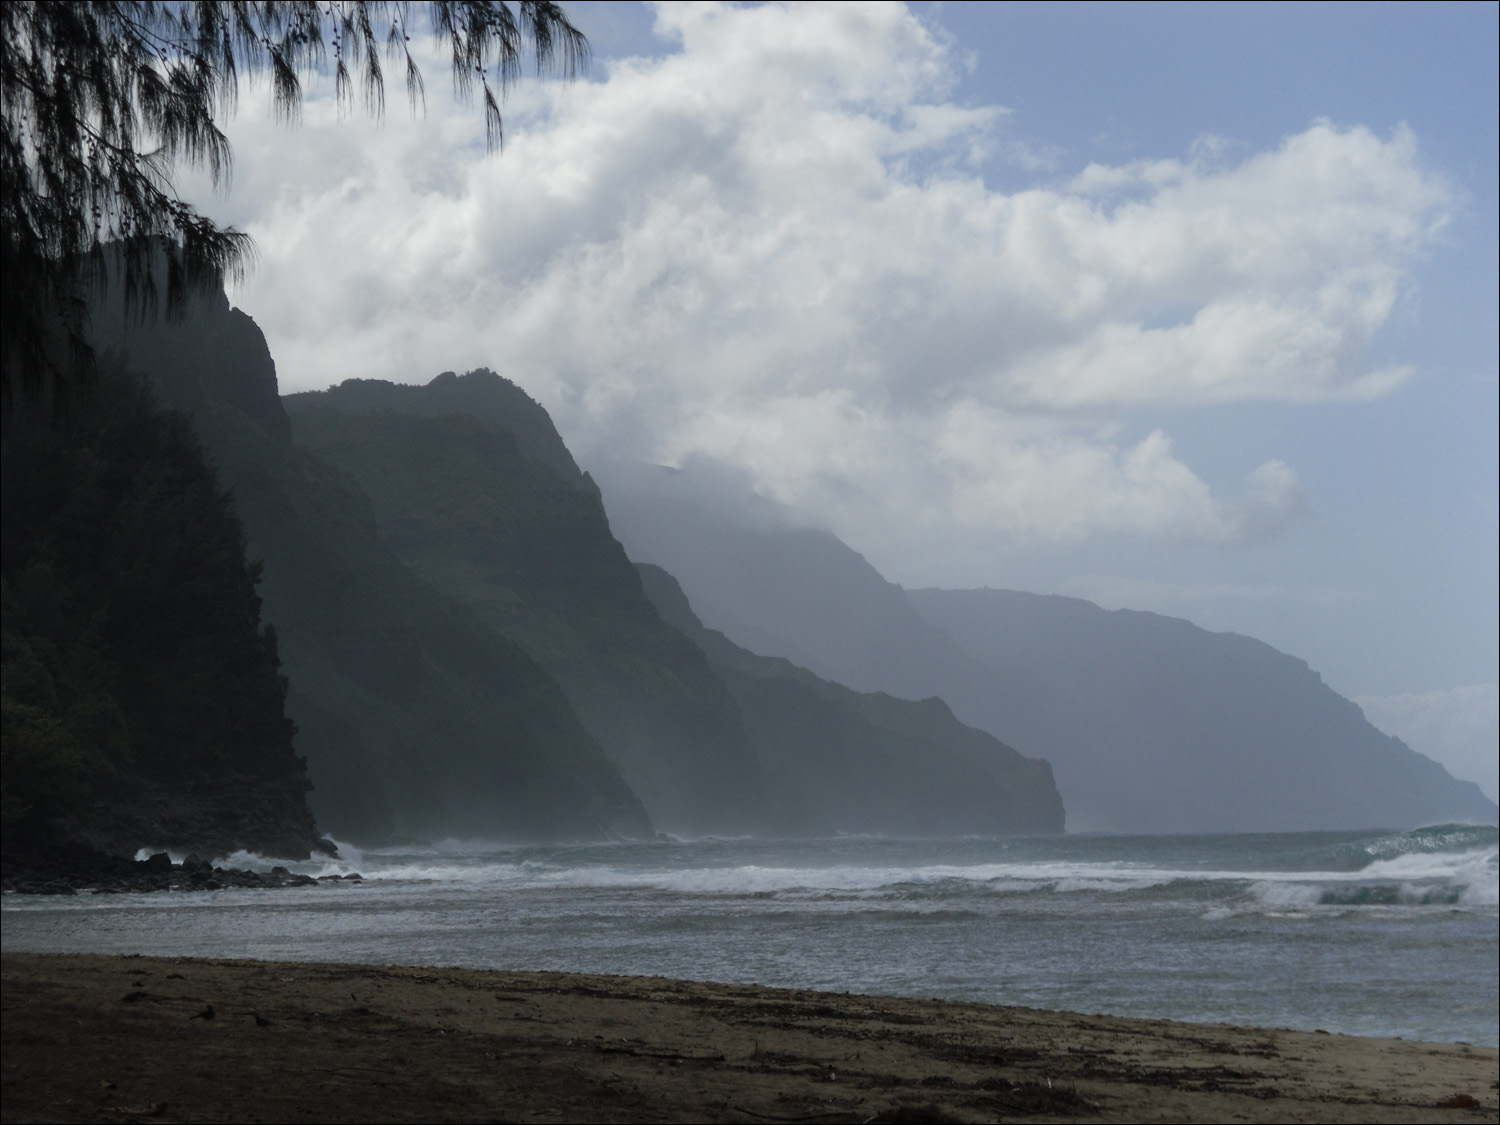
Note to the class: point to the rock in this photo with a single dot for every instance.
(66, 867)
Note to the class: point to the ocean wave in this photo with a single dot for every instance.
(939, 880)
(1465, 878)
(1302, 896)
(1436, 838)
(1445, 865)
(1470, 879)
(1359, 853)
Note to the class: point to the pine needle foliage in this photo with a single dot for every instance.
(103, 101)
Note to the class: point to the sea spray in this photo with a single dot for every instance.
(1371, 933)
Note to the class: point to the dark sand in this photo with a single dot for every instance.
(90, 1038)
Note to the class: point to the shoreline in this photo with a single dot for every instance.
(89, 1037)
(63, 868)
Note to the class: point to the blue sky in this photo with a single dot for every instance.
(1403, 488)
(1184, 308)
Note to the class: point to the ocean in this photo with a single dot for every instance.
(1389, 934)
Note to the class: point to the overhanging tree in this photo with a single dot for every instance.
(103, 101)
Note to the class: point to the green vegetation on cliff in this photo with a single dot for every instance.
(143, 701)
(417, 719)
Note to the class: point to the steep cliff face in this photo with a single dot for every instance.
(843, 761)
(474, 491)
(143, 705)
(1152, 721)
(416, 718)
(213, 355)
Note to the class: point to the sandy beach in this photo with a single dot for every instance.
(99, 1038)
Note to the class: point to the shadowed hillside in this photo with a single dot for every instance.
(844, 761)
(471, 653)
(515, 532)
(415, 717)
(1150, 723)
(1242, 737)
(465, 505)
(143, 700)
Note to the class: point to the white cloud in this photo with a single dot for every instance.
(1459, 727)
(774, 247)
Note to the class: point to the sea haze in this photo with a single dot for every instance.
(1363, 933)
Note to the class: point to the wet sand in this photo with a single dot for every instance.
(89, 1038)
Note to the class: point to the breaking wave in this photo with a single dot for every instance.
(1440, 866)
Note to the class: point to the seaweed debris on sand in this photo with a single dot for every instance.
(89, 1037)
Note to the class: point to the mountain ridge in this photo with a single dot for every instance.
(1126, 758)
(528, 545)
(878, 764)
(528, 550)
(416, 719)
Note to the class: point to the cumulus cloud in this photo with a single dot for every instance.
(775, 246)
(1459, 727)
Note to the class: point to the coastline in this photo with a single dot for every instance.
(89, 1037)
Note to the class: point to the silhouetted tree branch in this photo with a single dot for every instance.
(102, 102)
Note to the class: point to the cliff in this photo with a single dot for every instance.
(470, 652)
(1152, 720)
(509, 527)
(143, 700)
(1151, 724)
(713, 738)
(416, 718)
(844, 761)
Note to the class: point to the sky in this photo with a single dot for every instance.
(1173, 307)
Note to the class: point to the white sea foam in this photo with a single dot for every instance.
(146, 853)
(1188, 924)
(1414, 878)
(1412, 870)
(1435, 865)
(1283, 895)
(252, 861)
(752, 879)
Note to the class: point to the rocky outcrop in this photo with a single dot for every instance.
(212, 354)
(69, 868)
(215, 816)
